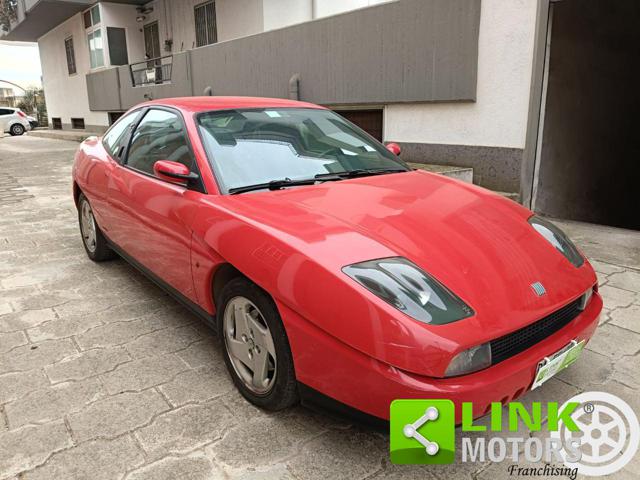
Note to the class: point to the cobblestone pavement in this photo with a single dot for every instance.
(103, 376)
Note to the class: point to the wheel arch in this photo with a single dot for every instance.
(223, 275)
(76, 193)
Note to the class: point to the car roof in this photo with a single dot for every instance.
(203, 104)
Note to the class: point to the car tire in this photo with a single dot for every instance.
(17, 129)
(94, 242)
(279, 385)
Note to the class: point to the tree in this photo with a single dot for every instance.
(28, 101)
(33, 103)
(8, 14)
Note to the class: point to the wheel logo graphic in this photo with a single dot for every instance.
(609, 433)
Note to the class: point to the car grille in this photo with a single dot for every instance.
(518, 341)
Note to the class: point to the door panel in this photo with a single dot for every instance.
(154, 217)
(154, 225)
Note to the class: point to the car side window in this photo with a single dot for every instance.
(4, 111)
(114, 139)
(158, 136)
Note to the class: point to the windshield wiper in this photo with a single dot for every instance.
(362, 172)
(286, 182)
(321, 177)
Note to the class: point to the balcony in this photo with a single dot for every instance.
(119, 88)
(434, 59)
(155, 71)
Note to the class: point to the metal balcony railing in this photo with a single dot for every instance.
(154, 71)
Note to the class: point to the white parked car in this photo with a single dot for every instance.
(13, 121)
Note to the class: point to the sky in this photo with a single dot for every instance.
(20, 63)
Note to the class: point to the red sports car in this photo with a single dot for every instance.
(332, 271)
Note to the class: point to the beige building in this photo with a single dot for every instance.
(535, 96)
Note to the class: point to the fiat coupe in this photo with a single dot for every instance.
(331, 270)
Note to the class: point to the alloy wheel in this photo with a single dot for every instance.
(250, 346)
(88, 226)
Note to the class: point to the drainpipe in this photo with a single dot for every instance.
(294, 87)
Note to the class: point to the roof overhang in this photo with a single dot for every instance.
(45, 15)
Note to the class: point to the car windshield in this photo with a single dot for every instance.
(251, 147)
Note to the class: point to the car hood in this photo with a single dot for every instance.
(474, 241)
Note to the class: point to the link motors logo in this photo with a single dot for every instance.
(594, 433)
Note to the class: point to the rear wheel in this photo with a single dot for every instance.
(257, 352)
(93, 240)
(16, 129)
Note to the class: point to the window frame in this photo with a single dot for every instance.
(71, 55)
(206, 30)
(196, 185)
(91, 30)
(118, 158)
(90, 11)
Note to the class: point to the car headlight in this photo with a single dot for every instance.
(470, 360)
(404, 285)
(557, 239)
(585, 299)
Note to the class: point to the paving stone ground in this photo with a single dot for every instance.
(103, 376)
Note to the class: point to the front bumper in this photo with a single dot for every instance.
(347, 375)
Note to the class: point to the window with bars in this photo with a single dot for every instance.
(205, 15)
(71, 56)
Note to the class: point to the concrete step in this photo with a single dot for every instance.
(515, 196)
(73, 136)
(460, 173)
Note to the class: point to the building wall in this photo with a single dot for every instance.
(66, 95)
(321, 54)
(458, 132)
(176, 20)
(238, 18)
(124, 16)
(325, 8)
(282, 13)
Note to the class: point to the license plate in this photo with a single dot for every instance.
(560, 360)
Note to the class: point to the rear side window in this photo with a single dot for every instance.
(113, 140)
(158, 136)
(4, 111)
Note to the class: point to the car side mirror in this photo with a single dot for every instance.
(394, 148)
(173, 172)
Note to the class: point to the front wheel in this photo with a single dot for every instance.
(256, 348)
(16, 129)
(93, 240)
